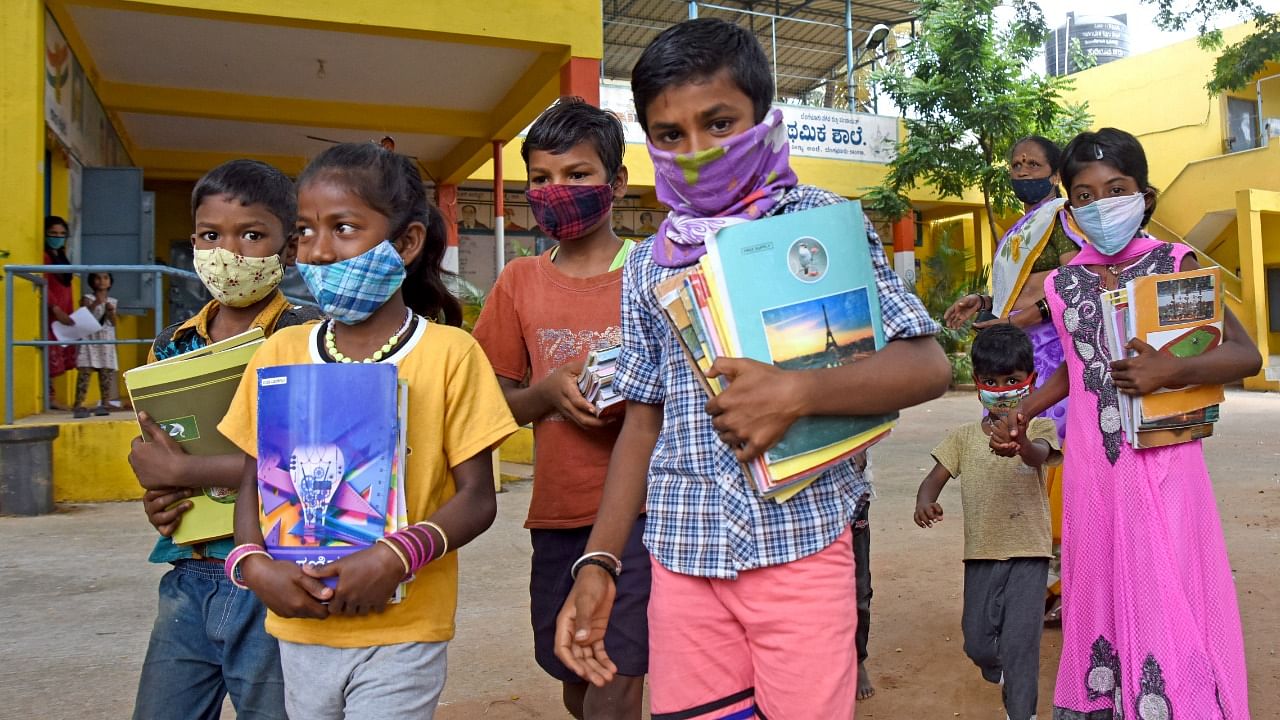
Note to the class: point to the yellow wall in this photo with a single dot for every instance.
(90, 462)
(21, 178)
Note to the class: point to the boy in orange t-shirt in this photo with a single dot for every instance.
(543, 316)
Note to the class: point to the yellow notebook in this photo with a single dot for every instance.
(188, 395)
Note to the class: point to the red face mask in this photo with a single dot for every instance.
(566, 212)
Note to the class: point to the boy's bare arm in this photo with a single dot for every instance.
(245, 520)
(558, 392)
(763, 401)
(928, 511)
(1035, 453)
(581, 624)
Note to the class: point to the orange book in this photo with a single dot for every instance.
(1180, 314)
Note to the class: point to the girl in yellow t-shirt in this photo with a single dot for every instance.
(369, 249)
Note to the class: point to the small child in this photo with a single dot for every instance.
(208, 638)
(543, 316)
(1007, 537)
(369, 249)
(99, 358)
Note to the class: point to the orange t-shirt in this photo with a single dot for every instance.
(535, 320)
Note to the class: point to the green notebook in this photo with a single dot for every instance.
(188, 395)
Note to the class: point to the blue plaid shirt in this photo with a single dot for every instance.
(704, 517)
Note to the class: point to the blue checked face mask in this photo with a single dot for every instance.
(350, 290)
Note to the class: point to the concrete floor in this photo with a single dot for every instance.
(79, 598)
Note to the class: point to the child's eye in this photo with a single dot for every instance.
(1117, 190)
(578, 176)
(303, 231)
(344, 228)
(538, 180)
(669, 136)
(208, 236)
(720, 126)
(1084, 197)
(253, 236)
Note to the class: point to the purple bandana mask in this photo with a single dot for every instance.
(741, 180)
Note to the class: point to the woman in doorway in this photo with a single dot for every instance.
(1037, 244)
(62, 358)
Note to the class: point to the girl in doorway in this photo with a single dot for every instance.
(1151, 628)
(369, 249)
(99, 358)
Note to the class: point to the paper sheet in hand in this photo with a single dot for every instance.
(85, 325)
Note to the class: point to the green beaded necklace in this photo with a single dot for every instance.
(330, 343)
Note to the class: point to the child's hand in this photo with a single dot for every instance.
(156, 503)
(927, 514)
(366, 580)
(757, 408)
(581, 625)
(1009, 433)
(284, 588)
(159, 460)
(1145, 372)
(560, 389)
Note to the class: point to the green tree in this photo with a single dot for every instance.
(967, 94)
(1239, 63)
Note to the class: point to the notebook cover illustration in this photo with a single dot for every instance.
(329, 472)
(799, 291)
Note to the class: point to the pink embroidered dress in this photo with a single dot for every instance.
(1151, 628)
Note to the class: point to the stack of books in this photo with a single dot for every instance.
(797, 291)
(1179, 314)
(187, 395)
(331, 459)
(596, 380)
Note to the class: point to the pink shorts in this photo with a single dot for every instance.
(778, 642)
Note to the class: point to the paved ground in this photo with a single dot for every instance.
(79, 598)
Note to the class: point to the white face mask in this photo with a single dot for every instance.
(1110, 223)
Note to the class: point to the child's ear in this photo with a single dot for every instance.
(620, 183)
(289, 253)
(410, 242)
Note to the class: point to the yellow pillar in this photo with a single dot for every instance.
(21, 180)
(1253, 282)
(984, 244)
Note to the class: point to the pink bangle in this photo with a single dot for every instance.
(237, 555)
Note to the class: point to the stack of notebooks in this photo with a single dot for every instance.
(596, 380)
(331, 459)
(797, 291)
(1179, 314)
(187, 395)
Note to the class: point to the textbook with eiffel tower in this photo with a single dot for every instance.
(797, 291)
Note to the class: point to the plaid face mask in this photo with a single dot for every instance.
(350, 290)
(566, 212)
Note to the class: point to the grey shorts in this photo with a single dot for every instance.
(371, 683)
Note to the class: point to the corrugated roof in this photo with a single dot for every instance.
(810, 41)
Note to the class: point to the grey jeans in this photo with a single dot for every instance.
(1002, 620)
(372, 683)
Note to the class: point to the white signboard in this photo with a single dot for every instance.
(814, 132)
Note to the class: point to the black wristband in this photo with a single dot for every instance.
(598, 562)
(1043, 306)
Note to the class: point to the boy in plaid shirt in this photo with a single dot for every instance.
(750, 607)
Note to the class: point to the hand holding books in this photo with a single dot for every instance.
(366, 580)
(154, 456)
(284, 588)
(1145, 370)
(562, 392)
(756, 409)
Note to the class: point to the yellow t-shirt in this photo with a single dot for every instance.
(1006, 508)
(456, 411)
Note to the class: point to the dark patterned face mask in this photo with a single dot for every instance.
(567, 212)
